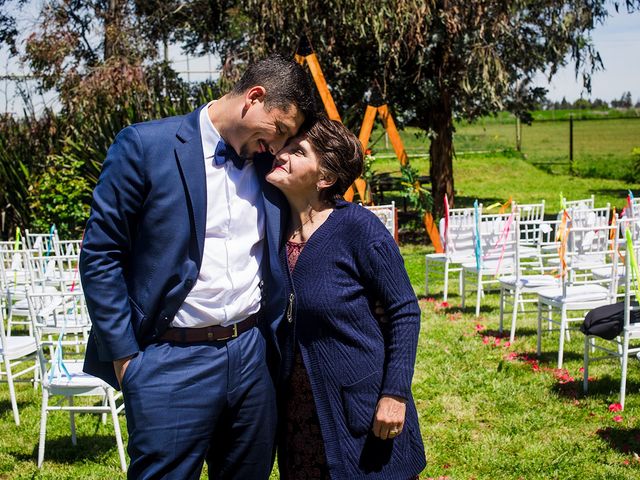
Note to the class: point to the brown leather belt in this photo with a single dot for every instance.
(214, 333)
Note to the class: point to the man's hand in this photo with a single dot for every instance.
(120, 366)
(389, 418)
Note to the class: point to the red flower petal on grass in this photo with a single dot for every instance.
(479, 327)
(581, 369)
(444, 304)
(617, 418)
(486, 340)
(615, 407)
(506, 344)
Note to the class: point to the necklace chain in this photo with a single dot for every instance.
(298, 231)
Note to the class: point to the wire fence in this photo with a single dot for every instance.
(20, 94)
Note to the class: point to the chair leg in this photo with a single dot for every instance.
(478, 294)
(563, 328)
(426, 278)
(463, 279)
(72, 422)
(116, 426)
(445, 290)
(585, 364)
(514, 314)
(539, 339)
(43, 426)
(12, 390)
(625, 362)
(502, 294)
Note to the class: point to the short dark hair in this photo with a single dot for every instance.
(285, 82)
(339, 154)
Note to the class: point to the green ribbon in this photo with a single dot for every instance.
(635, 273)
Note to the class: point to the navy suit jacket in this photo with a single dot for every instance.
(144, 241)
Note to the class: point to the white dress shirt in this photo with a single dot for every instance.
(228, 286)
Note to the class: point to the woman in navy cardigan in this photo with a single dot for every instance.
(345, 380)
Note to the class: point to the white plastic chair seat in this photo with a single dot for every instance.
(488, 267)
(602, 273)
(18, 346)
(582, 263)
(451, 257)
(530, 282)
(79, 379)
(575, 294)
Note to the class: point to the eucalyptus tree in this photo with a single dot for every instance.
(435, 60)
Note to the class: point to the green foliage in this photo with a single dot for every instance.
(61, 196)
(416, 194)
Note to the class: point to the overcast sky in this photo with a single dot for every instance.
(618, 42)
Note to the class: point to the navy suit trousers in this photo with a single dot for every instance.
(187, 403)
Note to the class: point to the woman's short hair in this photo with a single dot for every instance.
(339, 155)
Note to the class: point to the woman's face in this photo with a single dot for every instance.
(295, 168)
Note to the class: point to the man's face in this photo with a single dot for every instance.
(265, 130)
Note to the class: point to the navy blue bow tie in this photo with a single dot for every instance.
(225, 152)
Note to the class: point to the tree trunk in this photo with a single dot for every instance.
(441, 153)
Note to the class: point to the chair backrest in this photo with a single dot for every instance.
(387, 214)
(635, 207)
(499, 240)
(57, 313)
(530, 223)
(589, 247)
(43, 243)
(69, 247)
(458, 234)
(590, 217)
(582, 203)
(13, 266)
(59, 271)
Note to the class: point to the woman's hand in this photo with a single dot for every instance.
(389, 417)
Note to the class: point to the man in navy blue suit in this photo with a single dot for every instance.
(178, 266)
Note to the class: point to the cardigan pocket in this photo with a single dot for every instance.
(359, 402)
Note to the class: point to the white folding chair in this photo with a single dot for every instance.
(388, 215)
(620, 347)
(16, 351)
(586, 247)
(457, 237)
(65, 378)
(498, 243)
(531, 222)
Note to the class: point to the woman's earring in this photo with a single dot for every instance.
(318, 188)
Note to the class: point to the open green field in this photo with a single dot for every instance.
(487, 167)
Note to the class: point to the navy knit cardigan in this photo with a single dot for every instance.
(348, 263)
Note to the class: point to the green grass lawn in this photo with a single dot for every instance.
(602, 148)
(486, 412)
